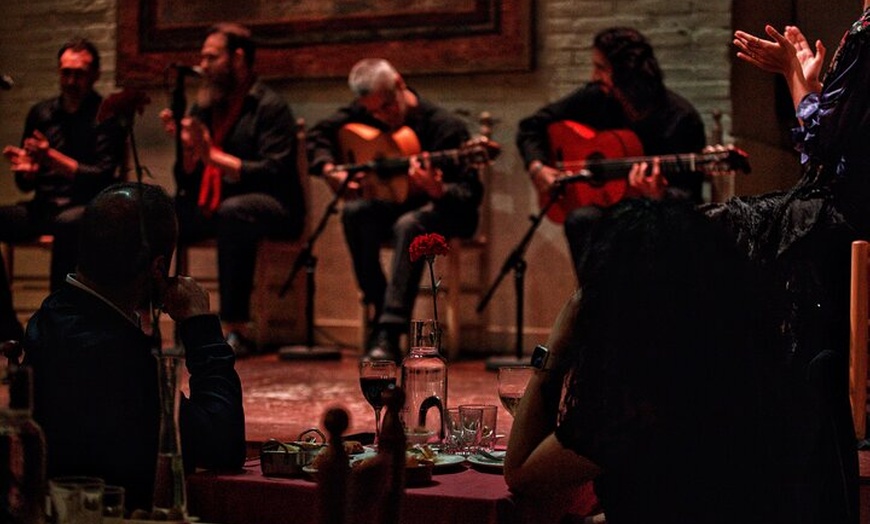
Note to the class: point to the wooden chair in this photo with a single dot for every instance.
(858, 320)
(373, 491)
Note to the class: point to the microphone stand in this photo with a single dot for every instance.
(516, 262)
(178, 106)
(307, 260)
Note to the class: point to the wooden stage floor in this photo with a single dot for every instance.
(282, 398)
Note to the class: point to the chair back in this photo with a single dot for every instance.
(858, 323)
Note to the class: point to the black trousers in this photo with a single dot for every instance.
(238, 224)
(370, 223)
(25, 222)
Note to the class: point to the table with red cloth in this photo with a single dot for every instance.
(458, 495)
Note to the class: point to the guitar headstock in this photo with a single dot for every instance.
(720, 160)
(480, 150)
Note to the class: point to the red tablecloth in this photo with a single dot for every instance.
(458, 496)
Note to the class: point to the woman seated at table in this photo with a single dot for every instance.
(656, 386)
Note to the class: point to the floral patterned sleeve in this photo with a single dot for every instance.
(836, 122)
(808, 113)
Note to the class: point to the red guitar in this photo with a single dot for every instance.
(596, 165)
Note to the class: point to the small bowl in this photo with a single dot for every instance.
(418, 438)
(419, 474)
(279, 459)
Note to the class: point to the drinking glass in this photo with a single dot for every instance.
(453, 441)
(471, 422)
(76, 500)
(374, 377)
(113, 505)
(512, 382)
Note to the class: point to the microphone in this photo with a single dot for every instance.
(186, 70)
(6, 82)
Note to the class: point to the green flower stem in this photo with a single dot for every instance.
(431, 260)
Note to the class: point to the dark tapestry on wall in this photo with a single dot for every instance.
(324, 38)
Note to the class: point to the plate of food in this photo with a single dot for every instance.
(440, 461)
(490, 461)
(418, 470)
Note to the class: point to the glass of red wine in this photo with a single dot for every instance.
(374, 377)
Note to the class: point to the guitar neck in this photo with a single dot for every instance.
(401, 164)
(610, 169)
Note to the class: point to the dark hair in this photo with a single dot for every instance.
(81, 44)
(238, 37)
(635, 70)
(112, 250)
(667, 378)
(669, 316)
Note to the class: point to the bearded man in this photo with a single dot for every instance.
(237, 179)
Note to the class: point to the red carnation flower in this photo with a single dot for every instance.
(428, 246)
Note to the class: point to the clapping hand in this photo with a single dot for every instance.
(810, 60)
(22, 163)
(37, 147)
(28, 160)
(778, 55)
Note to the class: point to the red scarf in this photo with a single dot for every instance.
(223, 119)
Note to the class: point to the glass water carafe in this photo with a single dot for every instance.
(424, 380)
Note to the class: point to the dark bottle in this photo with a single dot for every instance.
(22, 452)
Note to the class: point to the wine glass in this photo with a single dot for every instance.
(374, 377)
(512, 381)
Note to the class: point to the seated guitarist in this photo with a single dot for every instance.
(442, 199)
(626, 92)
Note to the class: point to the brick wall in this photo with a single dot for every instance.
(691, 39)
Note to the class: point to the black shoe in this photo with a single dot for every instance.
(384, 345)
(242, 345)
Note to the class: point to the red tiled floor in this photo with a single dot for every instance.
(283, 398)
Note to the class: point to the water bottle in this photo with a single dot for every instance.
(424, 380)
(22, 451)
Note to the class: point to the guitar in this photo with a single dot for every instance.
(383, 159)
(596, 165)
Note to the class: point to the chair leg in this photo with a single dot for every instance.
(454, 296)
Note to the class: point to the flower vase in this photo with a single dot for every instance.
(424, 380)
(170, 496)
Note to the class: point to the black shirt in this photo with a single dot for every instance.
(436, 128)
(674, 126)
(98, 148)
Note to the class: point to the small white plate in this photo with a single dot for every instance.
(487, 463)
(447, 461)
